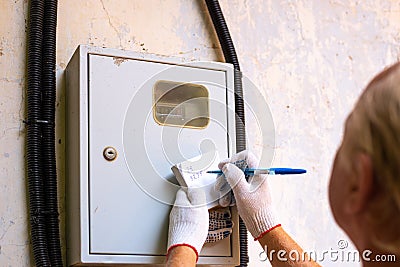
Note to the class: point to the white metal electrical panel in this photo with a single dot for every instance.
(130, 117)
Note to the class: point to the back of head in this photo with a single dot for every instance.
(377, 122)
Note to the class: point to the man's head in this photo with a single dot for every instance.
(364, 190)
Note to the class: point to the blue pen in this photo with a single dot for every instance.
(281, 171)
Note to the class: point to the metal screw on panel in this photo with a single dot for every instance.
(110, 153)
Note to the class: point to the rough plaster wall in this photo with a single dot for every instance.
(310, 59)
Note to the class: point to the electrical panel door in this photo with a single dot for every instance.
(130, 117)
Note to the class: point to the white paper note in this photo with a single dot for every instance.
(193, 174)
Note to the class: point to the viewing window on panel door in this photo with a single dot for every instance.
(181, 104)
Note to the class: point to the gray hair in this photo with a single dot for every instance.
(376, 120)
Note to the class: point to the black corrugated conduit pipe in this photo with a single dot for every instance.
(34, 139)
(229, 51)
(48, 131)
(40, 123)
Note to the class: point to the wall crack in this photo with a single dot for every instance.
(111, 24)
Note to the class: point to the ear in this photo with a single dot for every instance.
(362, 184)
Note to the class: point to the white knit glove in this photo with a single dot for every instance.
(220, 224)
(188, 220)
(253, 199)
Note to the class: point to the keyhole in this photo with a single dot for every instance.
(110, 153)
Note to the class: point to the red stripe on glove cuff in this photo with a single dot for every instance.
(186, 245)
(266, 232)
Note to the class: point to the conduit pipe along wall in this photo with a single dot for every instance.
(229, 51)
(40, 123)
(33, 139)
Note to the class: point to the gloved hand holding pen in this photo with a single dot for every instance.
(253, 198)
(189, 224)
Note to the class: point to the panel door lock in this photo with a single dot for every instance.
(110, 153)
